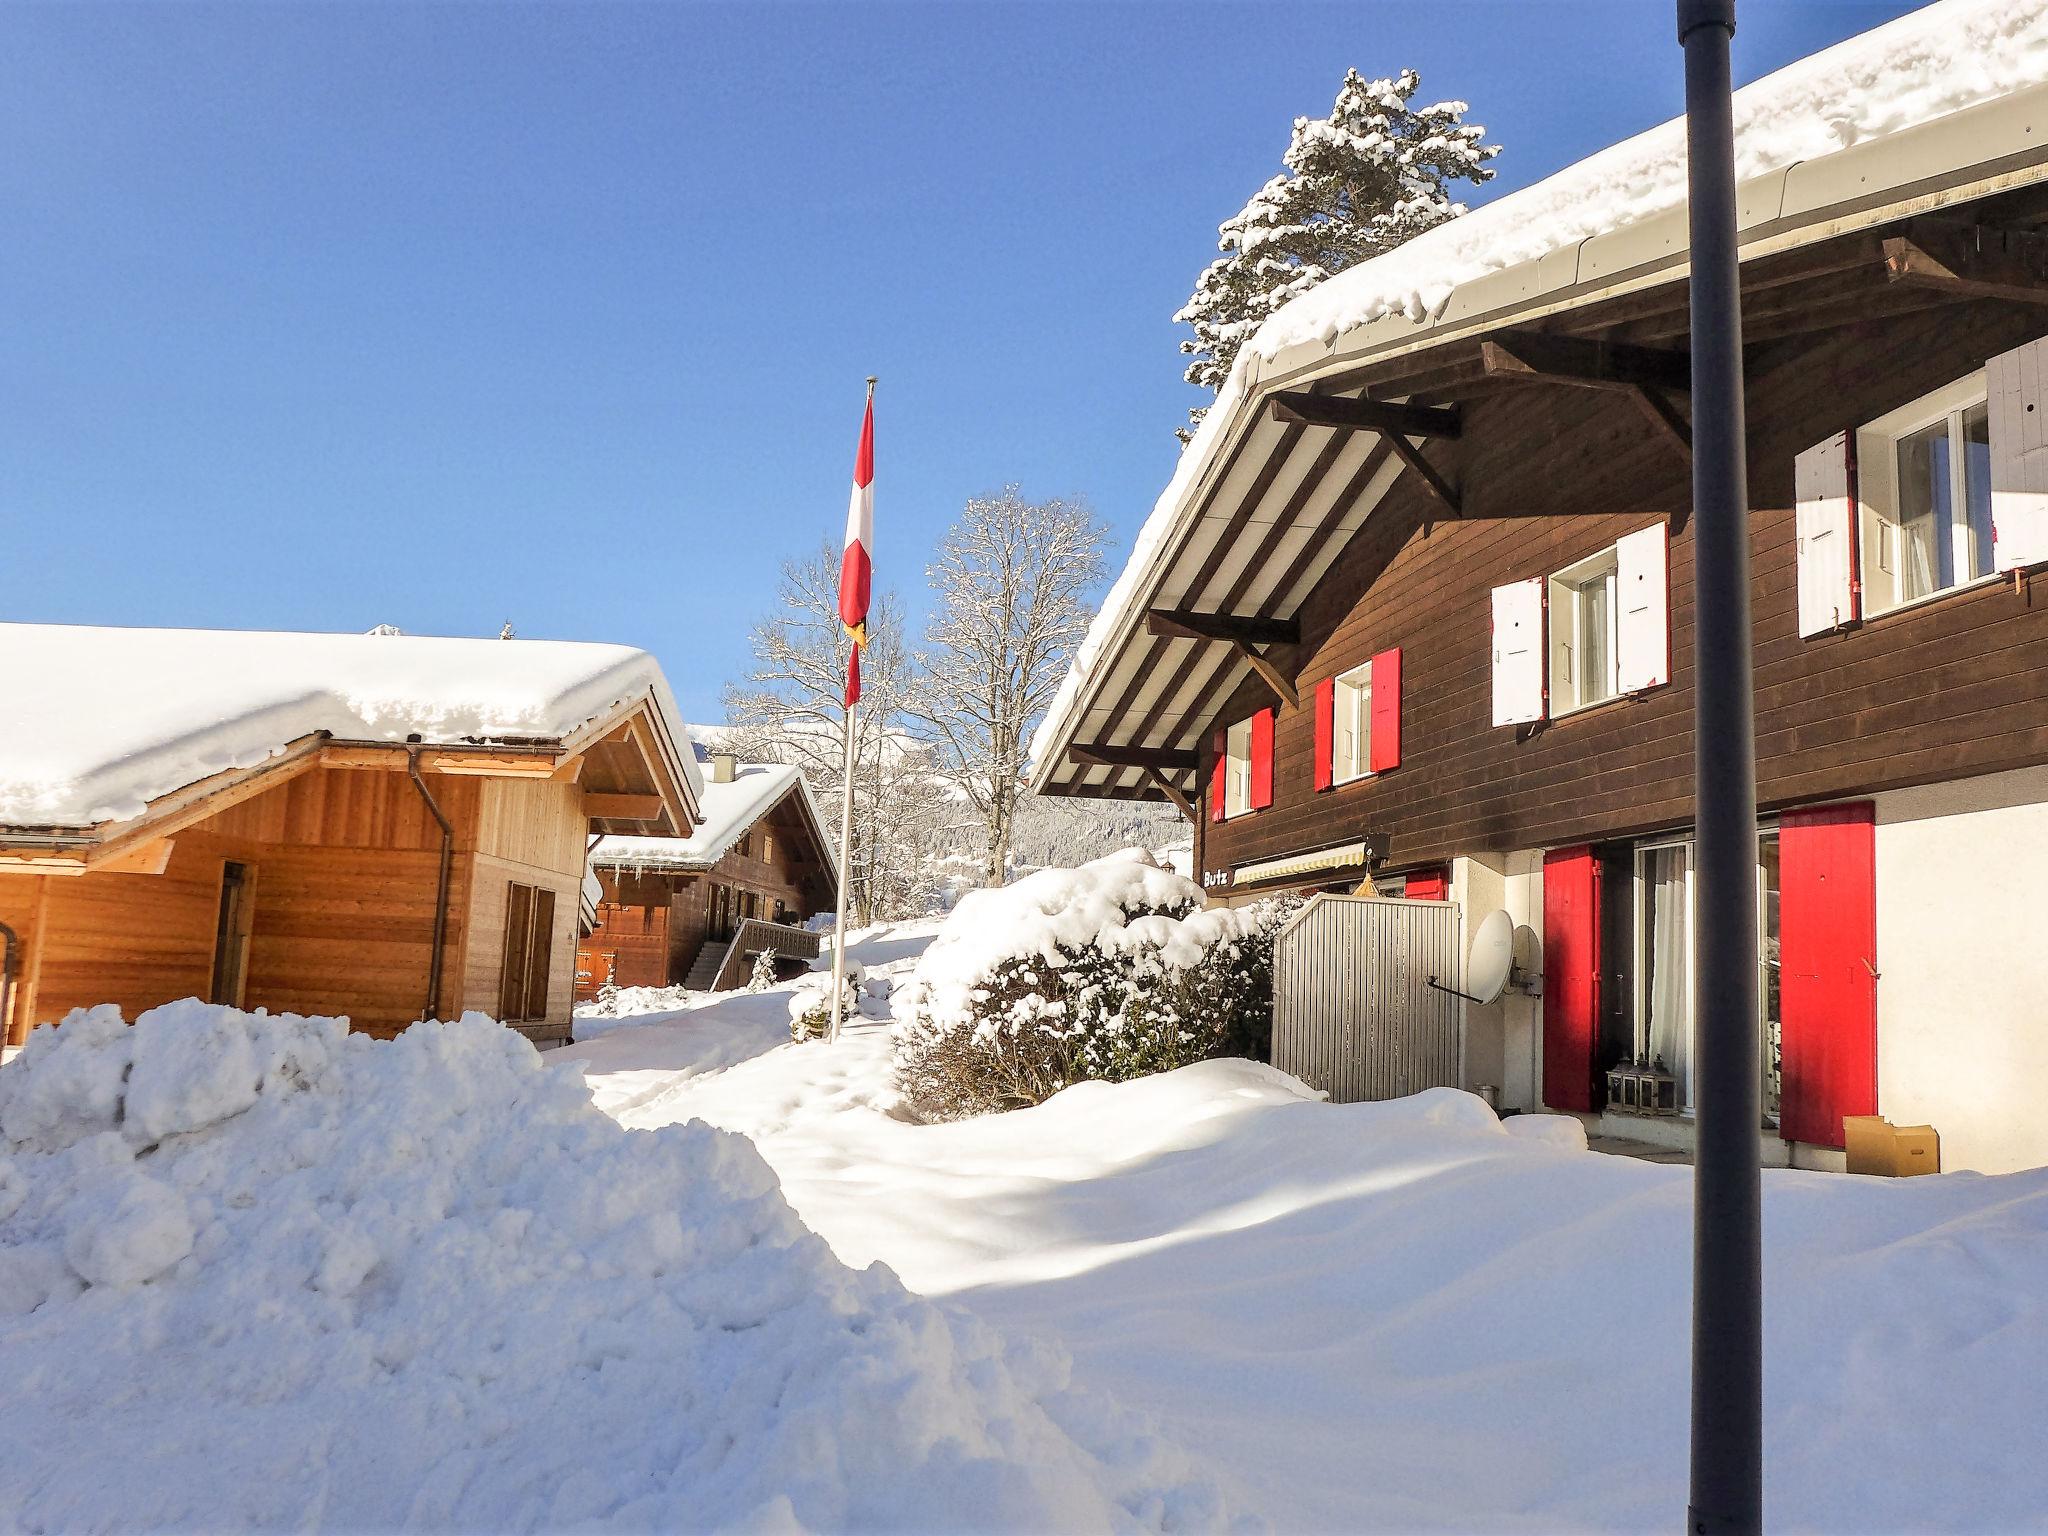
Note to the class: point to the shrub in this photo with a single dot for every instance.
(763, 975)
(810, 1003)
(1110, 971)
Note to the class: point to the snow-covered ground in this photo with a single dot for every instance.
(1403, 1316)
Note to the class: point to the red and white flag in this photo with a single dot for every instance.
(856, 567)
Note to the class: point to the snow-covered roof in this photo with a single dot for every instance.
(95, 722)
(728, 810)
(1829, 143)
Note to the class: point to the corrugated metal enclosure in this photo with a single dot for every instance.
(1353, 1011)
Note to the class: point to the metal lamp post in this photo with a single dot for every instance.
(1727, 1303)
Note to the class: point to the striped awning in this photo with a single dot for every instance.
(1343, 856)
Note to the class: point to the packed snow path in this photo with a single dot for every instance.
(1396, 1317)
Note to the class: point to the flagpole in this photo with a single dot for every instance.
(845, 847)
(846, 803)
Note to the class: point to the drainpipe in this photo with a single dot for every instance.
(412, 766)
(8, 945)
(1727, 1258)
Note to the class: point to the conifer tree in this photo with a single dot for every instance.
(1372, 174)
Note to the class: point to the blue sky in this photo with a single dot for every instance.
(321, 316)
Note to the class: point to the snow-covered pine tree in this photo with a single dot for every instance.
(1372, 174)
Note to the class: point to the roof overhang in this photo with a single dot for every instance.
(626, 761)
(1252, 527)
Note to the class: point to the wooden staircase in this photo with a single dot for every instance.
(726, 963)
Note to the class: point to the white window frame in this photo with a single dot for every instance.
(1880, 555)
(1351, 709)
(1566, 590)
(1237, 769)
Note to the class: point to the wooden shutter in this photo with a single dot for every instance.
(1386, 711)
(1518, 652)
(512, 969)
(2019, 456)
(1326, 732)
(1261, 794)
(1643, 594)
(1571, 976)
(1824, 483)
(1428, 885)
(1219, 746)
(1827, 952)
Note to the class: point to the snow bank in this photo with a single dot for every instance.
(259, 1272)
(99, 721)
(1939, 60)
(1094, 906)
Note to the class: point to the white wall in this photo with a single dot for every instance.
(1503, 1040)
(1962, 959)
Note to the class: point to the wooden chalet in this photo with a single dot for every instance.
(695, 911)
(387, 827)
(1415, 619)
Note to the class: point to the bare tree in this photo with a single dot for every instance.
(1010, 581)
(788, 709)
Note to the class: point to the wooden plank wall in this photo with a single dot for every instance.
(347, 862)
(1954, 688)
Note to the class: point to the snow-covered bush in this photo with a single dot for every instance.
(1109, 971)
(810, 1003)
(310, 1280)
(763, 974)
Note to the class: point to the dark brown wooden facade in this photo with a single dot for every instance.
(1953, 687)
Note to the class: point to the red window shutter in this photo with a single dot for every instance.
(1571, 976)
(1218, 746)
(1326, 731)
(1425, 884)
(1386, 711)
(1827, 955)
(1262, 760)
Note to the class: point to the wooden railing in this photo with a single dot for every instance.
(752, 937)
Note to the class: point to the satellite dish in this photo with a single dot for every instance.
(1492, 957)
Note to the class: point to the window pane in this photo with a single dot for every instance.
(540, 954)
(512, 976)
(1595, 668)
(1977, 488)
(1927, 561)
(1666, 962)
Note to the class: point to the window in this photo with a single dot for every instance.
(1583, 649)
(529, 949)
(1351, 726)
(1237, 768)
(1664, 989)
(231, 934)
(1924, 493)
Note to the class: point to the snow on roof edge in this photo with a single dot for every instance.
(1926, 65)
(722, 827)
(99, 722)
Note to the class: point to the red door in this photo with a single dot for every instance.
(1571, 976)
(1827, 955)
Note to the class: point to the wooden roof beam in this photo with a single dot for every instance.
(1421, 468)
(1101, 754)
(1584, 361)
(1971, 261)
(1348, 415)
(1173, 792)
(1250, 629)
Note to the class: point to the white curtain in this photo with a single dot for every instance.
(1666, 984)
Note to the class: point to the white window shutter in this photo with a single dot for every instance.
(2019, 456)
(1642, 564)
(1518, 652)
(1823, 480)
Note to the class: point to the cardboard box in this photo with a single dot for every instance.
(1877, 1146)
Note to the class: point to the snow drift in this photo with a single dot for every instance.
(289, 1276)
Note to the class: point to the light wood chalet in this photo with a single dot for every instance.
(384, 827)
(1416, 619)
(693, 911)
